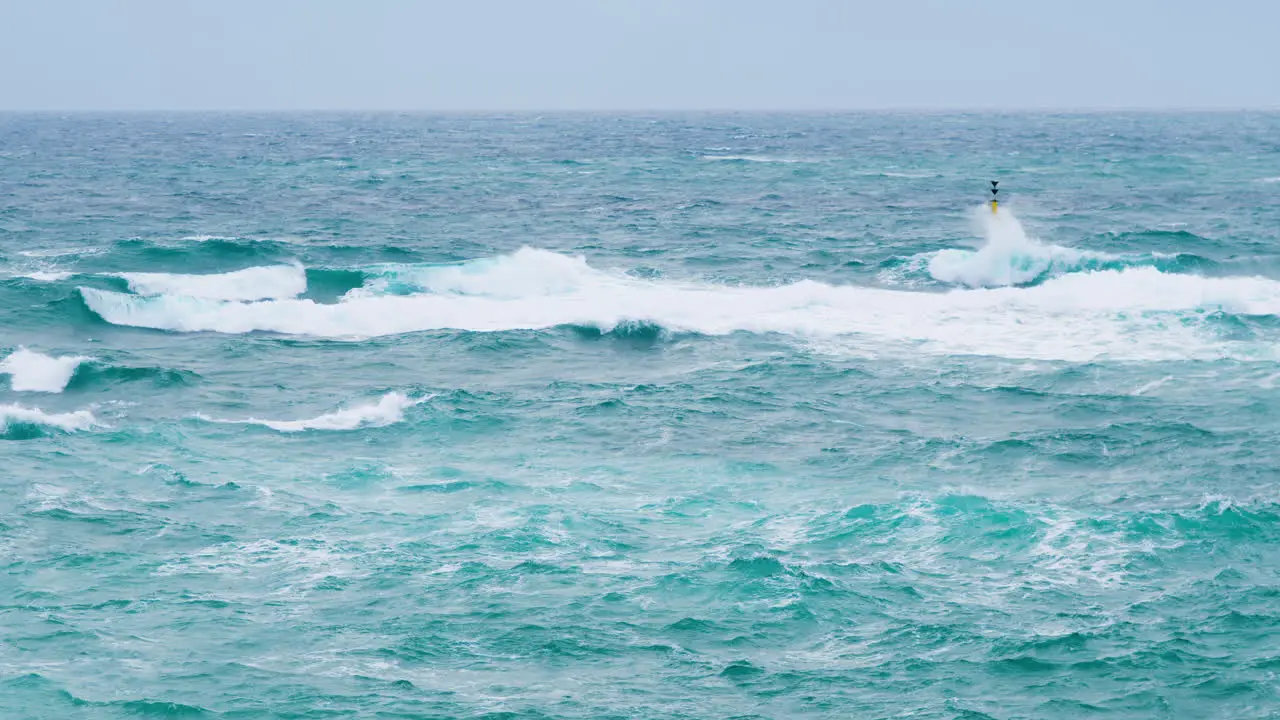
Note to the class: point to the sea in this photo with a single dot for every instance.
(663, 416)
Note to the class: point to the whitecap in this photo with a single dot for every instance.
(526, 273)
(1117, 313)
(389, 410)
(45, 276)
(31, 371)
(255, 283)
(19, 414)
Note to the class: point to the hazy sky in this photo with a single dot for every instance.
(634, 54)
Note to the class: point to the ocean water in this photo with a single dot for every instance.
(671, 416)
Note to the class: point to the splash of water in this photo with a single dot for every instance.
(1008, 256)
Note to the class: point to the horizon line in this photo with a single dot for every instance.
(924, 110)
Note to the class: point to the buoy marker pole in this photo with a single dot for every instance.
(995, 201)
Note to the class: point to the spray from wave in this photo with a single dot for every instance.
(389, 410)
(1009, 256)
(35, 372)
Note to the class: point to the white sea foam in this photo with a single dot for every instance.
(60, 252)
(255, 283)
(390, 409)
(526, 273)
(1008, 257)
(45, 276)
(1136, 313)
(18, 414)
(34, 372)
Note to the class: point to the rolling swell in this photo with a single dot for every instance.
(213, 253)
(708, 470)
(197, 255)
(1145, 240)
(636, 332)
(327, 285)
(103, 377)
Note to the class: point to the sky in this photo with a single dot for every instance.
(549, 55)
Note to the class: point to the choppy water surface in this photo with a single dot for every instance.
(659, 417)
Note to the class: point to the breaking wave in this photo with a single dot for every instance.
(255, 283)
(1123, 313)
(46, 276)
(390, 409)
(1011, 257)
(18, 422)
(31, 371)
(526, 273)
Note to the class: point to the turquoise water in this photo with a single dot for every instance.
(696, 416)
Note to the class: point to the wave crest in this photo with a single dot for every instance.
(1117, 313)
(255, 283)
(390, 409)
(523, 274)
(31, 371)
(21, 422)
